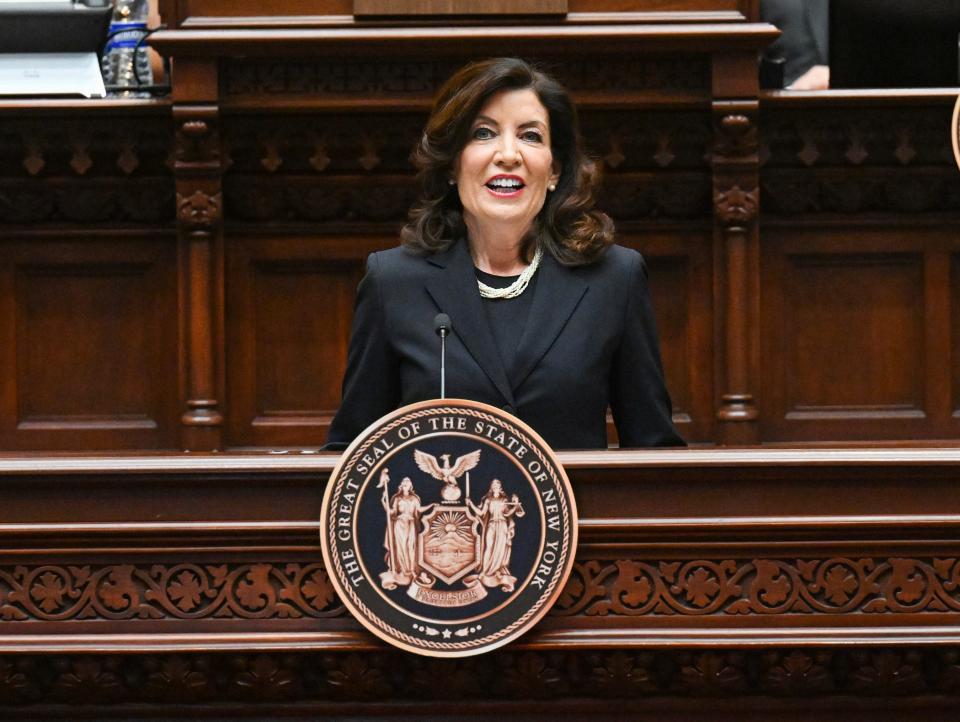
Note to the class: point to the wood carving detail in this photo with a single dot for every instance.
(791, 193)
(179, 591)
(736, 207)
(736, 136)
(624, 196)
(762, 586)
(137, 200)
(199, 212)
(863, 138)
(390, 677)
(277, 145)
(82, 148)
(352, 78)
(596, 588)
(197, 141)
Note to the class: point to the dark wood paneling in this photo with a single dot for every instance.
(90, 322)
(290, 306)
(91, 345)
(853, 334)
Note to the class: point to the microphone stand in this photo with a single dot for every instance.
(441, 324)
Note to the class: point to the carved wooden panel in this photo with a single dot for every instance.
(79, 170)
(678, 591)
(289, 310)
(339, 84)
(185, 591)
(91, 347)
(829, 586)
(783, 683)
(846, 161)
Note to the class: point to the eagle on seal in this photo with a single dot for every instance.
(447, 473)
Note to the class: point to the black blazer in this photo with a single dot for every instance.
(590, 341)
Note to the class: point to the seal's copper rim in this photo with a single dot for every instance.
(955, 132)
(455, 649)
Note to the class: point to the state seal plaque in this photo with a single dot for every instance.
(448, 528)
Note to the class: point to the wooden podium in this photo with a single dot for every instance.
(778, 584)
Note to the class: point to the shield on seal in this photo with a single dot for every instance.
(449, 544)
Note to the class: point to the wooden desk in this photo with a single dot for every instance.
(755, 576)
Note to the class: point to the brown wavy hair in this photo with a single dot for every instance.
(568, 227)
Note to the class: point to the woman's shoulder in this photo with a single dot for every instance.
(617, 262)
(395, 263)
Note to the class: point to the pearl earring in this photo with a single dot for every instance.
(552, 187)
(451, 181)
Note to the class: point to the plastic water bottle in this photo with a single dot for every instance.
(122, 62)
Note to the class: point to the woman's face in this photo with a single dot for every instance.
(505, 168)
(496, 487)
(406, 486)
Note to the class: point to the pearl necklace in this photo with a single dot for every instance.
(518, 286)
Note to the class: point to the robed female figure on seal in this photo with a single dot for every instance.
(496, 514)
(400, 541)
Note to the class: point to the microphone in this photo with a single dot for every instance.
(442, 326)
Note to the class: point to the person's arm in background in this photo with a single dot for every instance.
(804, 42)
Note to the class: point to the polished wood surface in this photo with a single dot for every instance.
(816, 573)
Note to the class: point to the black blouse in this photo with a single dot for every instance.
(507, 316)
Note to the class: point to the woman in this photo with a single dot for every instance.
(551, 321)
(496, 514)
(403, 522)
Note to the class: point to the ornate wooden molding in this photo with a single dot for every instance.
(178, 591)
(575, 680)
(198, 168)
(736, 207)
(219, 590)
(314, 81)
(834, 586)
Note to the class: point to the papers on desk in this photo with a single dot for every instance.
(38, 74)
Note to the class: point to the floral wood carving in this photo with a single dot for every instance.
(626, 587)
(180, 591)
(762, 586)
(156, 681)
